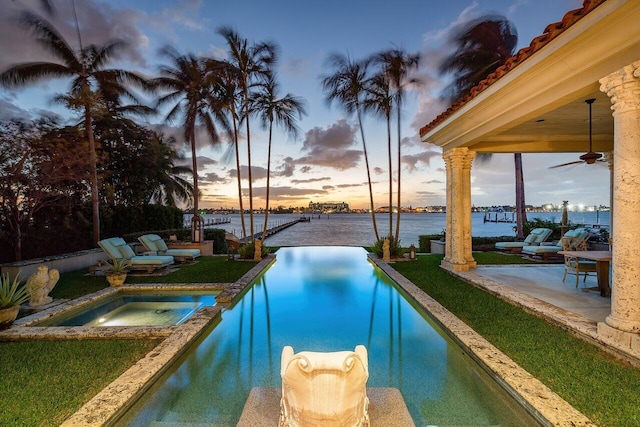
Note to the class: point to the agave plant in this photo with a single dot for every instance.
(12, 293)
(118, 265)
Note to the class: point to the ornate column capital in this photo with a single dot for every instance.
(459, 158)
(623, 87)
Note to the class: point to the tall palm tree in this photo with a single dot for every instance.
(188, 82)
(90, 80)
(171, 187)
(379, 100)
(253, 63)
(229, 96)
(398, 65)
(283, 111)
(483, 45)
(347, 86)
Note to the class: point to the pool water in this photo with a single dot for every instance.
(135, 310)
(326, 299)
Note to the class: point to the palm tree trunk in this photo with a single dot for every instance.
(237, 148)
(93, 170)
(390, 177)
(246, 118)
(266, 210)
(366, 161)
(399, 181)
(194, 165)
(521, 211)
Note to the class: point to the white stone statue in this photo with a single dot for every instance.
(40, 284)
(324, 389)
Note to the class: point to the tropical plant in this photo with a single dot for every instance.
(283, 111)
(397, 65)
(395, 250)
(347, 86)
(188, 82)
(483, 45)
(118, 265)
(90, 83)
(248, 251)
(12, 293)
(252, 63)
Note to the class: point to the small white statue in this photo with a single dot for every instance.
(40, 284)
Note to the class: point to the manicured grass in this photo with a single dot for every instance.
(45, 382)
(603, 389)
(216, 269)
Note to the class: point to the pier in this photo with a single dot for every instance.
(210, 222)
(499, 217)
(279, 226)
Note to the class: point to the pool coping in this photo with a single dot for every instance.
(110, 403)
(545, 405)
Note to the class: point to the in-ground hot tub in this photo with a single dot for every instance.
(141, 308)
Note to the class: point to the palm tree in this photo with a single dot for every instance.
(252, 63)
(90, 82)
(171, 187)
(188, 81)
(228, 86)
(483, 45)
(398, 64)
(379, 100)
(347, 86)
(283, 111)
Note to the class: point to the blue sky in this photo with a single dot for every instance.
(325, 163)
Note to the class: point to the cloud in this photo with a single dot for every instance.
(310, 180)
(286, 192)
(212, 178)
(257, 172)
(350, 185)
(287, 168)
(185, 14)
(378, 170)
(434, 181)
(330, 146)
(296, 66)
(201, 160)
(413, 160)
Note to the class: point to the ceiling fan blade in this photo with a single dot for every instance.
(566, 164)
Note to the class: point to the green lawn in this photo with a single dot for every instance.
(603, 389)
(45, 382)
(216, 269)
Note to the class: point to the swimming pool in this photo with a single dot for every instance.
(134, 309)
(326, 299)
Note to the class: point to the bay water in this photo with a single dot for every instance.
(356, 229)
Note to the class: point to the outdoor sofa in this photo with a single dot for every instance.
(117, 248)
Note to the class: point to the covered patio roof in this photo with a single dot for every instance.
(535, 102)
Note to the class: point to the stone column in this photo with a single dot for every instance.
(623, 324)
(458, 243)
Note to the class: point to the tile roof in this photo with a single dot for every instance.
(550, 33)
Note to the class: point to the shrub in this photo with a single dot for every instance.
(395, 249)
(247, 251)
(424, 242)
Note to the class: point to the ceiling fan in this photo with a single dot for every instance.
(590, 157)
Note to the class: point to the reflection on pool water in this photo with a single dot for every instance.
(135, 310)
(326, 299)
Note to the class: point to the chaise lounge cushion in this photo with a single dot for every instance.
(546, 250)
(117, 248)
(535, 237)
(154, 243)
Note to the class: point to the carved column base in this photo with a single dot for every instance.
(465, 266)
(626, 340)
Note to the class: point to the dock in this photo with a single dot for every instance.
(499, 217)
(279, 226)
(210, 222)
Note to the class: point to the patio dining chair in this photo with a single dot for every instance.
(575, 265)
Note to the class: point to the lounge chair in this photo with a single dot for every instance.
(551, 251)
(154, 243)
(535, 237)
(327, 389)
(117, 248)
(575, 265)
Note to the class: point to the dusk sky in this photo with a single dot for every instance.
(326, 162)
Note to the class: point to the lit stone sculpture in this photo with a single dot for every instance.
(257, 252)
(386, 250)
(327, 389)
(40, 284)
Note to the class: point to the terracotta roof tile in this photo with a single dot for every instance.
(550, 32)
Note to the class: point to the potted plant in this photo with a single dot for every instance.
(117, 273)
(12, 294)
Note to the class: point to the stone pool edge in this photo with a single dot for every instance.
(545, 405)
(112, 401)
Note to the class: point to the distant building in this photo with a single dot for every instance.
(329, 207)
